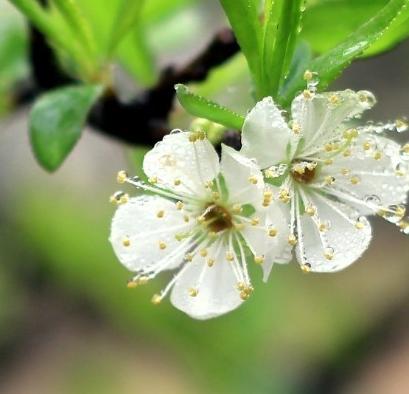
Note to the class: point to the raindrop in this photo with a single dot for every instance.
(372, 199)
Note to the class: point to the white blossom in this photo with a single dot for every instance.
(330, 174)
(208, 220)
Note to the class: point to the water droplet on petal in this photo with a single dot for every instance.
(372, 199)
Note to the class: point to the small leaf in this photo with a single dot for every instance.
(203, 108)
(281, 30)
(244, 19)
(56, 122)
(327, 23)
(330, 65)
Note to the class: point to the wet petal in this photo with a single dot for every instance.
(265, 134)
(364, 177)
(141, 239)
(345, 241)
(270, 237)
(321, 117)
(243, 177)
(182, 165)
(216, 285)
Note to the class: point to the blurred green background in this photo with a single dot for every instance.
(68, 324)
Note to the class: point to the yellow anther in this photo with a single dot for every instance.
(272, 232)
(229, 256)
(306, 267)
(193, 137)
(208, 184)
(259, 259)
(377, 155)
(405, 148)
(310, 210)
(253, 179)
(177, 182)
(236, 208)
(329, 180)
(255, 221)
(308, 75)
(329, 255)
(292, 240)
(193, 292)
(244, 295)
(124, 199)
(366, 145)
(359, 225)
(241, 285)
(180, 236)
(270, 173)
(323, 227)
(268, 194)
(328, 162)
(355, 180)
(350, 134)
(400, 211)
(216, 195)
(179, 205)
(186, 218)
(347, 153)
(203, 252)
(401, 124)
(333, 99)
(307, 94)
(156, 299)
(126, 242)
(210, 262)
(345, 171)
(296, 128)
(329, 147)
(189, 257)
(132, 284)
(160, 214)
(403, 225)
(121, 177)
(266, 203)
(284, 195)
(153, 179)
(162, 245)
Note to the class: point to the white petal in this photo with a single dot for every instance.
(137, 221)
(321, 121)
(376, 177)
(239, 172)
(218, 292)
(265, 134)
(348, 242)
(275, 249)
(176, 158)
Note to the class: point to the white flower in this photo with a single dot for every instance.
(330, 173)
(205, 218)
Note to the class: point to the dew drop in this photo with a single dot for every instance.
(372, 199)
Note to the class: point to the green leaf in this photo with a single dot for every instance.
(328, 22)
(244, 19)
(77, 24)
(281, 30)
(127, 18)
(203, 108)
(330, 65)
(301, 59)
(56, 122)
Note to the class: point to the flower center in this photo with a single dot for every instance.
(217, 218)
(303, 171)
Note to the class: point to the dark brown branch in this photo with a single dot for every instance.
(144, 120)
